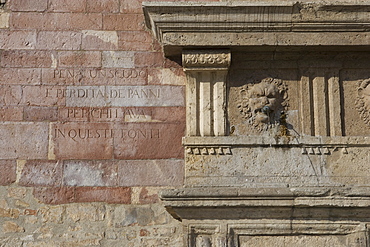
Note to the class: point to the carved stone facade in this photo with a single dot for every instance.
(284, 89)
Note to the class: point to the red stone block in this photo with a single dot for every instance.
(151, 172)
(10, 95)
(67, 5)
(34, 113)
(11, 113)
(131, 6)
(117, 195)
(17, 39)
(42, 173)
(7, 172)
(20, 76)
(28, 5)
(42, 95)
(135, 41)
(123, 22)
(149, 140)
(79, 59)
(99, 40)
(26, 58)
(56, 21)
(82, 141)
(101, 6)
(54, 195)
(149, 59)
(62, 40)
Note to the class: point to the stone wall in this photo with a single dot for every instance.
(92, 116)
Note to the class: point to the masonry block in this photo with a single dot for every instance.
(7, 172)
(10, 95)
(62, 40)
(28, 5)
(20, 76)
(135, 41)
(42, 173)
(119, 195)
(42, 95)
(149, 140)
(82, 141)
(17, 40)
(79, 59)
(118, 59)
(23, 140)
(36, 113)
(110, 6)
(11, 113)
(26, 58)
(54, 195)
(4, 20)
(89, 173)
(123, 22)
(67, 5)
(99, 40)
(151, 172)
(131, 6)
(149, 59)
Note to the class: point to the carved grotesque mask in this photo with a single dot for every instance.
(262, 102)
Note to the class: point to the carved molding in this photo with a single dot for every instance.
(210, 59)
(209, 150)
(363, 101)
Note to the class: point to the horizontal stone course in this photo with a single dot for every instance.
(17, 40)
(26, 59)
(28, 5)
(20, 76)
(42, 173)
(59, 40)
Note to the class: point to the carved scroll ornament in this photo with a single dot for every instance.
(363, 100)
(206, 59)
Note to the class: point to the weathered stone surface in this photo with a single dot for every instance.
(7, 172)
(82, 141)
(23, 140)
(118, 195)
(42, 173)
(150, 173)
(40, 113)
(148, 140)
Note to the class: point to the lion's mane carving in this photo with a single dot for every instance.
(262, 102)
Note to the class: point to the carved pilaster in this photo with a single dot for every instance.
(206, 91)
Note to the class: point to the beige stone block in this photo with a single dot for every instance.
(4, 20)
(11, 227)
(118, 59)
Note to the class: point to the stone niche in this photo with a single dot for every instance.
(278, 121)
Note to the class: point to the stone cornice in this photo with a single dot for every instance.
(232, 24)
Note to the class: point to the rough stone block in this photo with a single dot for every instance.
(103, 194)
(151, 172)
(82, 141)
(109, 6)
(17, 40)
(11, 227)
(90, 173)
(7, 172)
(67, 5)
(79, 59)
(11, 113)
(42, 173)
(148, 140)
(26, 59)
(54, 195)
(149, 59)
(123, 22)
(28, 5)
(20, 76)
(62, 40)
(23, 140)
(34, 113)
(10, 95)
(99, 40)
(131, 6)
(166, 76)
(42, 96)
(118, 59)
(56, 21)
(135, 41)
